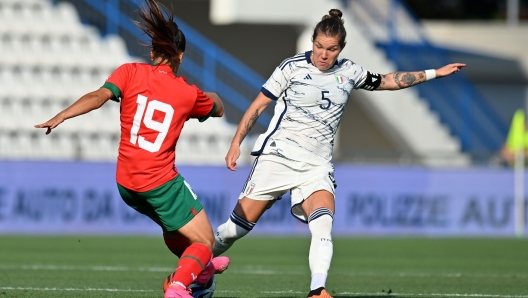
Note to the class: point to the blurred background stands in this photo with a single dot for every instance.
(55, 51)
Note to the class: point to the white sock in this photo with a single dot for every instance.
(318, 280)
(321, 247)
(233, 229)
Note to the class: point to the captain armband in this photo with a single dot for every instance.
(372, 81)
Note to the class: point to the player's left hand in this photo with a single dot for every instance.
(449, 69)
(51, 124)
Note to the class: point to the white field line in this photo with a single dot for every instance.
(257, 270)
(73, 289)
(272, 292)
(84, 268)
(408, 294)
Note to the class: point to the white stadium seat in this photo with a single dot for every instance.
(66, 19)
(48, 60)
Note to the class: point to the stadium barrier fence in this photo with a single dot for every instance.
(82, 198)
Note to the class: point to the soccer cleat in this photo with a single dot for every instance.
(319, 293)
(216, 266)
(167, 281)
(177, 291)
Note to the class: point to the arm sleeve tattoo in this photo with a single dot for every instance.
(248, 124)
(408, 79)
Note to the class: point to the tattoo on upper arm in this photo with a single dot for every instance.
(249, 124)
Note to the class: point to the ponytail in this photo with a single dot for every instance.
(167, 40)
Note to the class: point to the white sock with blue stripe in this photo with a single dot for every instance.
(321, 248)
(233, 229)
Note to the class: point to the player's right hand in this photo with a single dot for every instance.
(232, 155)
(51, 124)
(449, 69)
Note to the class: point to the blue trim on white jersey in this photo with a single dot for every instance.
(307, 55)
(288, 60)
(257, 153)
(268, 93)
(291, 61)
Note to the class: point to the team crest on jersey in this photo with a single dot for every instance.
(339, 79)
(249, 188)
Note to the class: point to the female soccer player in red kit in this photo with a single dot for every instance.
(155, 103)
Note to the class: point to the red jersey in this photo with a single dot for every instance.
(154, 107)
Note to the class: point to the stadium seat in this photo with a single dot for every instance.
(48, 60)
(22, 146)
(4, 144)
(66, 19)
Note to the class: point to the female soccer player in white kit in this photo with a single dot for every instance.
(295, 153)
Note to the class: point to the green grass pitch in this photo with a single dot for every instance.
(268, 267)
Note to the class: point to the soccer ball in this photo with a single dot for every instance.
(204, 291)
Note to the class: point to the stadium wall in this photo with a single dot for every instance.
(82, 198)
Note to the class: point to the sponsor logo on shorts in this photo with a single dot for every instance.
(249, 188)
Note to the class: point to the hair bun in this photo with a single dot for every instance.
(334, 13)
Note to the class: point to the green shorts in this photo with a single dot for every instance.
(173, 203)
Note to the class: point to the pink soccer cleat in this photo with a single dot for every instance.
(177, 292)
(216, 266)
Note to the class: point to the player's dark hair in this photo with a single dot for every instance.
(331, 25)
(167, 40)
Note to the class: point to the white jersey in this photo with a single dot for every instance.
(310, 104)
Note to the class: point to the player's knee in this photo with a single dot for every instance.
(207, 241)
(210, 243)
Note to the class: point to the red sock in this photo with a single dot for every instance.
(177, 245)
(192, 262)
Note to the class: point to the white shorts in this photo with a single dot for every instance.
(272, 176)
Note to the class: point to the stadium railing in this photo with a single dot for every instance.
(206, 64)
(459, 105)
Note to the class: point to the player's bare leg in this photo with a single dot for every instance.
(244, 217)
(196, 256)
(319, 208)
(217, 265)
(199, 230)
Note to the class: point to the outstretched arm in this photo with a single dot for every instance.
(401, 80)
(83, 105)
(248, 120)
